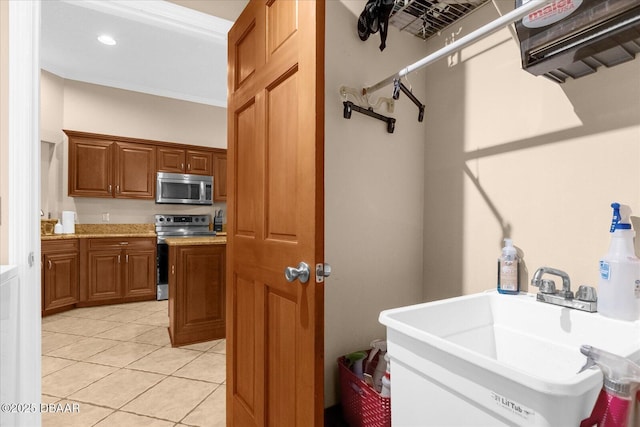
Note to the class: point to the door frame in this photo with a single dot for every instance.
(23, 163)
(24, 194)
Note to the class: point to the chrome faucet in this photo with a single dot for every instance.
(566, 283)
(585, 299)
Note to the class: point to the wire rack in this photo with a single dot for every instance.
(425, 18)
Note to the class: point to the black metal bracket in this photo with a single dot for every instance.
(350, 106)
(399, 86)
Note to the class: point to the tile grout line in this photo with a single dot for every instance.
(119, 341)
(196, 406)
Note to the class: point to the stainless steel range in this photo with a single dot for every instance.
(176, 226)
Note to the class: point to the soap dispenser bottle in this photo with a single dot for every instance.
(619, 282)
(508, 278)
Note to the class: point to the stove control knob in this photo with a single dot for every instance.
(161, 219)
(169, 219)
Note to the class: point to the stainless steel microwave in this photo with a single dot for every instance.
(187, 189)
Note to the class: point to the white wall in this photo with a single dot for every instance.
(4, 131)
(99, 109)
(374, 189)
(511, 154)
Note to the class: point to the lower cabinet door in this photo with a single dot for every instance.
(140, 273)
(104, 270)
(196, 293)
(60, 281)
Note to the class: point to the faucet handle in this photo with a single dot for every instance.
(548, 286)
(586, 293)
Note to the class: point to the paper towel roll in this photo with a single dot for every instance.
(68, 222)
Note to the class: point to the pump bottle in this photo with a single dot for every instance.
(508, 278)
(619, 282)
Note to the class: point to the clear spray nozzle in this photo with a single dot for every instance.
(617, 370)
(621, 217)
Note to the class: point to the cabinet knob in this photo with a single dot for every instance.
(118, 189)
(118, 259)
(188, 166)
(126, 258)
(50, 264)
(109, 188)
(173, 269)
(182, 166)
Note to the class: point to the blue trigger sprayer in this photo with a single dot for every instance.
(617, 403)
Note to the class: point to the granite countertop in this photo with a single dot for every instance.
(86, 231)
(195, 241)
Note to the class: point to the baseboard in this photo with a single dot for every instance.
(333, 417)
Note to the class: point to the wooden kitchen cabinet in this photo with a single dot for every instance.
(135, 171)
(107, 168)
(114, 270)
(220, 176)
(90, 167)
(60, 260)
(176, 160)
(196, 293)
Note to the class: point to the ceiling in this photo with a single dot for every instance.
(162, 48)
(426, 18)
(166, 49)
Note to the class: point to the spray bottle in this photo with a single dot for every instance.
(617, 402)
(619, 283)
(378, 347)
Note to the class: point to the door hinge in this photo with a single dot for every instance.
(31, 259)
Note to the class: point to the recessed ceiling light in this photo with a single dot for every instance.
(108, 40)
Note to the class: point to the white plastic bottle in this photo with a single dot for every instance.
(619, 283)
(385, 391)
(380, 347)
(508, 282)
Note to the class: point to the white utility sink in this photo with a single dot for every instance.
(491, 359)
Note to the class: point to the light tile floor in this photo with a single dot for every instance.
(117, 364)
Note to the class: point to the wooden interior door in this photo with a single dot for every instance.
(275, 328)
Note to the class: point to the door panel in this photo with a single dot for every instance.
(282, 152)
(245, 337)
(281, 23)
(245, 54)
(275, 164)
(281, 333)
(247, 176)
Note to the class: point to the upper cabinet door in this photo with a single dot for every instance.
(176, 160)
(90, 167)
(171, 160)
(136, 171)
(101, 168)
(220, 176)
(199, 162)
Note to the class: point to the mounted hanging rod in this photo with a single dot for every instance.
(470, 38)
